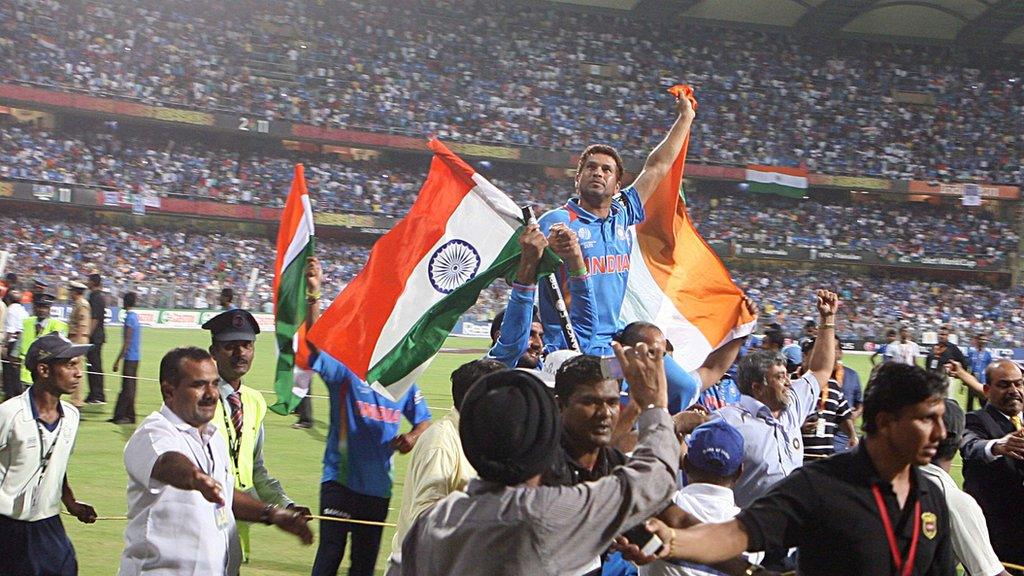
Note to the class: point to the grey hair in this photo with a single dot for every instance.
(754, 369)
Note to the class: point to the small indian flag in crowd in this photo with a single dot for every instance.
(779, 180)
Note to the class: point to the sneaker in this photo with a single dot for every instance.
(95, 402)
(302, 425)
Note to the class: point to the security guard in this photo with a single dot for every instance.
(79, 326)
(241, 410)
(37, 325)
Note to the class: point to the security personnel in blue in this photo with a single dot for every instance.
(600, 215)
(37, 435)
(867, 512)
(240, 413)
(361, 441)
(36, 325)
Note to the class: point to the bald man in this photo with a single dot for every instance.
(993, 454)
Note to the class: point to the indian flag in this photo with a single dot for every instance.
(676, 280)
(459, 236)
(779, 180)
(295, 244)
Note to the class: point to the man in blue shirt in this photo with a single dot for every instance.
(978, 358)
(853, 393)
(600, 215)
(517, 332)
(131, 353)
(886, 351)
(361, 441)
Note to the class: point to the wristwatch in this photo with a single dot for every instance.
(266, 513)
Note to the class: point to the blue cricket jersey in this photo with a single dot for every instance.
(606, 244)
(363, 423)
(978, 360)
(134, 351)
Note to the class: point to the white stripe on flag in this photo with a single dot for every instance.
(301, 236)
(776, 178)
(475, 222)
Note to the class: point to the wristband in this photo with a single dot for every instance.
(314, 295)
(582, 271)
(829, 325)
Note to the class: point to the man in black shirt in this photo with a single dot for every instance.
(98, 306)
(942, 352)
(865, 512)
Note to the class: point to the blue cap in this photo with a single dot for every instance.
(716, 448)
(793, 353)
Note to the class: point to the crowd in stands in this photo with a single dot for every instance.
(536, 75)
(187, 269)
(389, 186)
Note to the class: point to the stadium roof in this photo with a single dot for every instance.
(967, 21)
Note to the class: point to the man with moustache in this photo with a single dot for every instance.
(240, 413)
(993, 454)
(182, 499)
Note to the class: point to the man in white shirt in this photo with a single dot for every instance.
(182, 503)
(905, 350)
(713, 463)
(16, 315)
(37, 435)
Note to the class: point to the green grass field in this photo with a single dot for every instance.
(97, 472)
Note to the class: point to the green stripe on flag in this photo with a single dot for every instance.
(291, 313)
(428, 334)
(779, 189)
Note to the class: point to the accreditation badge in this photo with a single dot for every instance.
(221, 514)
(929, 525)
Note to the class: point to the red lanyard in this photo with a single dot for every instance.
(905, 568)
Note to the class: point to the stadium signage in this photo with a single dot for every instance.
(960, 262)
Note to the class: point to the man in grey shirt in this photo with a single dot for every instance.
(506, 523)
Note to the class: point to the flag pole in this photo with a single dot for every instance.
(550, 284)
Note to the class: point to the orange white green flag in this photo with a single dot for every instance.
(676, 280)
(460, 235)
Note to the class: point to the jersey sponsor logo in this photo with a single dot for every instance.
(929, 525)
(610, 264)
(378, 413)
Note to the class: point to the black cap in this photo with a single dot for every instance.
(43, 299)
(40, 284)
(53, 346)
(233, 325)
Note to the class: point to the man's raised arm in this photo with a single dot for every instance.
(660, 160)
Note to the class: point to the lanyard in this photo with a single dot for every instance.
(823, 401)
(905, 568)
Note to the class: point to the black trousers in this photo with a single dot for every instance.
(305, 411)
(12, 379)
(95, 360)
(340, 502)
(39, 548)
(125, 408)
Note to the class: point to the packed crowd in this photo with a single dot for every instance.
(539, 76)
(108, 156)
(187, 269)
(104, 156)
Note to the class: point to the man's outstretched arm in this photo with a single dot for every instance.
(664, 154)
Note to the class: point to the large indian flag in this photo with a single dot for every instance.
(459, 236)
(676, 280)
(779, 180)
(295, 244)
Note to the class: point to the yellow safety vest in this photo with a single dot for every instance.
(240, 450)
(28, 336)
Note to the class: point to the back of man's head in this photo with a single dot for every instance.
(509, 427)
(577, 371)
(95, 279)
(636, 332)
(955, 422)
(755, 367)
(774, 339)
(895, 386)
(466, 375)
